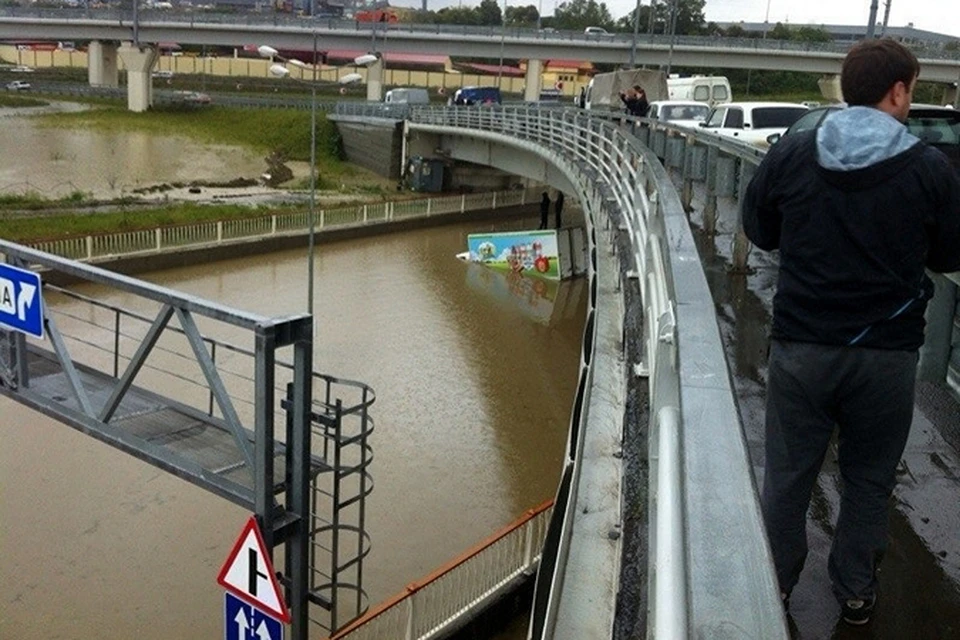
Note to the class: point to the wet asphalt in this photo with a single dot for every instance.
(919, 595)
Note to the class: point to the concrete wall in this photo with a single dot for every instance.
(372, 146)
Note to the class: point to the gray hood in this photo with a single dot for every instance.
(859, 137)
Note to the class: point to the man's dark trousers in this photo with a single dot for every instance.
(868, 394)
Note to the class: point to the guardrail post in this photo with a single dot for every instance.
(710, 207)
(219, 231)
(411, 615)
(686, 194)
(741, 245)
(89, 247)
(429, 205)
(157, 236)
(364, 214)
(323, 217)
(273, 224)
(390, 210)
(493, 205)
(463, 203)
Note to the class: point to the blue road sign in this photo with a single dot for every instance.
(21, 303)
(243, 621)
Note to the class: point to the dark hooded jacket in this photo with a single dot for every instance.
(858, 208)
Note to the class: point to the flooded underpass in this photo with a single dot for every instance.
(919, 596)
(475, 372)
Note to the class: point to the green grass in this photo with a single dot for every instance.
(14, 100)
(33, 201)
(25, 229)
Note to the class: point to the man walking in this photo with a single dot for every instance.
(857, 209)
(558, 207)
(544, 210)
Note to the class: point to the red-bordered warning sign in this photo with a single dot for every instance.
(248, 573)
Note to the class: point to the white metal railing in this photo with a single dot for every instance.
(128, 243)
(428, 608)
(622, 185)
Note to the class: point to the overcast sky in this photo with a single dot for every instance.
(941, 16)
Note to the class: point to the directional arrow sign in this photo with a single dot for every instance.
(21, 305)
(242, 621)
(248, 574)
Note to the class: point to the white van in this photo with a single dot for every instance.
(712, 90)
(407, 95)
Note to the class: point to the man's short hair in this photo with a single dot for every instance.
(637, 87)
(872, 67)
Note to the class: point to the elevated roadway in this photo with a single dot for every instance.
(196, 29)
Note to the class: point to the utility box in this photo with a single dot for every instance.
(425, 174)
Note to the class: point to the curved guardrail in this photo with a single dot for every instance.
(710, 567)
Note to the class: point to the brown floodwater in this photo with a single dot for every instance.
(54, 161)
(474, 372)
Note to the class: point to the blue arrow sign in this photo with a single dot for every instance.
(21, 303)
(242, 621)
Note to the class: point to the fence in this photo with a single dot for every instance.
(128, 243)
(432, 607)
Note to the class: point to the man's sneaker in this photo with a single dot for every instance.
(858, 611)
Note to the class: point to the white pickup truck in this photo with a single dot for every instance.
(752, 122)
(18, 85)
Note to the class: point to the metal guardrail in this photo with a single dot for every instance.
(322, 23)
(436, 605)
(703, 530)
(129, 243)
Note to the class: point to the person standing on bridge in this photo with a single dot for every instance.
(857, 208)
(544, 210)
(635, 100)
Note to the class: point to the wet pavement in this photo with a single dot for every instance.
(920, 575)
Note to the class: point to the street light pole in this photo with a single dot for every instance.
(503, 34)
(636, 30)
(313, 184)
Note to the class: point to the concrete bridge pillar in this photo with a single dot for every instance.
(951, 95)
(531, 87)
(830, 88)
(139, 61)
(102, 64)
(375, 81)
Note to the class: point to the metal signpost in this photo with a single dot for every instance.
(21, 305)
(253, 607)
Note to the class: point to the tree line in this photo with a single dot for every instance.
(576, 15)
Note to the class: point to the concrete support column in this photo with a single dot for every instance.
(139, 63)
(102, 64)
(951, 95)
(375, 81)
(830, 88)
(531, 89)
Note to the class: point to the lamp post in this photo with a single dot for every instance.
(280, 70)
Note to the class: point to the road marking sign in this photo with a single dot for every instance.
(242, 621)
(21, 302)
(248, 573)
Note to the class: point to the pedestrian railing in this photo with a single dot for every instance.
(202, 234)
(704, 518)
(432, 607)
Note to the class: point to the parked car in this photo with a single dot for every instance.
(469, 96)
(684, 113)
(21, 69)
(938, 126)
(18, 85)
(192, 97)
(162, 73)
(597, 31)
(407, 95)
(753, 122)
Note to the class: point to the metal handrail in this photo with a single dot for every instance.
(622, 184)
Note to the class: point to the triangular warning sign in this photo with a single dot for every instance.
(248, 574)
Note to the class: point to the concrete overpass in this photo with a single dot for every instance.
(705, 52)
